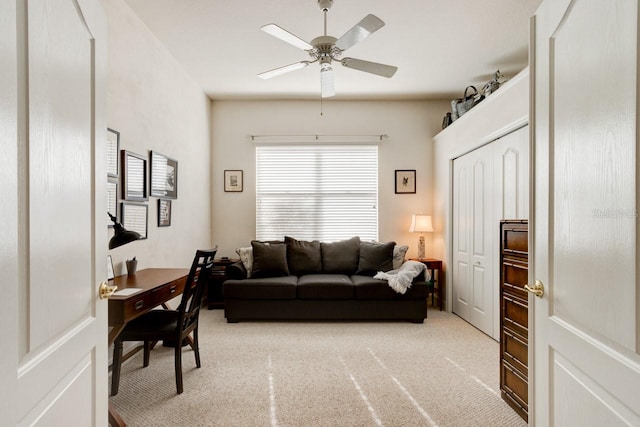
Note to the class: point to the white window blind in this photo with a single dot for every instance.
(317, 192)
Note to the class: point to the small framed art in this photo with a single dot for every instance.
(113, 147)
(164, 213)
(232, 181)
(112, 201)
(135, 217)
(405, 181)
(110, 271)
(164, 176)
(134, 176)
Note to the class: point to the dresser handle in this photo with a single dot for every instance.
(139, 304)
(173, 289)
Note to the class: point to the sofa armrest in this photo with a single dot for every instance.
(237, 271)
(419, 278)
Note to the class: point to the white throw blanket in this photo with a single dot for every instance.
(400, 280)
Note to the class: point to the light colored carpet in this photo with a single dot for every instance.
(440, 373)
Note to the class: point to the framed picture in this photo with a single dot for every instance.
(134, 176)
(405, 181)
(164, 213)
(113, 148)
(110, 273)
(164, 176)
(112, 201)
(134, 217)
(232, 181)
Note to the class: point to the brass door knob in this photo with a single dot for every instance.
(537, 289)
(106, 290)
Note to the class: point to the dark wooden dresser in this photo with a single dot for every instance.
(514, 315)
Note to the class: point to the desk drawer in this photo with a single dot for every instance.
(134, 306)
(169, 291)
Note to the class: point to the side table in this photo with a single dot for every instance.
(216, 279)
(436, 285)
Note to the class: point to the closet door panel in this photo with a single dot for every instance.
(482, 315)
(473, 287)
(511, 157)
(461, 291)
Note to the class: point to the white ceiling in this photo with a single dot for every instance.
(439, 46)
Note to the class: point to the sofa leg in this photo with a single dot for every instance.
(417, 320)
(232, 321)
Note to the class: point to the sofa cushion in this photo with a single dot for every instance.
(340, 257)
(303, 257)
(366, 287)
(375, 257)
(269, 259)
(266, 288)
(325, 286)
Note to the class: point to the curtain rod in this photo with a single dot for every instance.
(318, 137)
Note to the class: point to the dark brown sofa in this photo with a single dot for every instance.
(296, 280)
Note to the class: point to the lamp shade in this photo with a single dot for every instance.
(421, 223)
(121, 235)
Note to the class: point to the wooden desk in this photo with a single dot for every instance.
(434, 265)
(158, 285)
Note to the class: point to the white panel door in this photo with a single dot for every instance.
(56, 249)
(587, 324)
(473, 287)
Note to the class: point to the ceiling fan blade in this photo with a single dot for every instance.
(369, 24)
(370, 67)
(327, 88)
(286, 36)
(282, 70)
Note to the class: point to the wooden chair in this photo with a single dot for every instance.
(173, 326)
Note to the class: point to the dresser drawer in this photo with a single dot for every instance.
(515, 240)
(515, 315)
(515, 351)
(515, 384)
(514, 276)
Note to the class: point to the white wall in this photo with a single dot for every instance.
(410, 125)
(155, 105)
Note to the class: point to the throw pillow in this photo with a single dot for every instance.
(340, 257)
(246, 257)
(269, 259)
(303, 257)
(399, 253)
(375, 257)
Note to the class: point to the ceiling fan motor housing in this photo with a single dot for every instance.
(325, 5)
(324, 47)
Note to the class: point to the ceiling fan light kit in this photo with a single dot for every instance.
(325, 49)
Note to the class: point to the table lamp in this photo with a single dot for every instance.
(121, 235)
(421, 223)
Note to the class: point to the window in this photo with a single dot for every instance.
(317, 192)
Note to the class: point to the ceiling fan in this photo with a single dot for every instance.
(324, 49)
